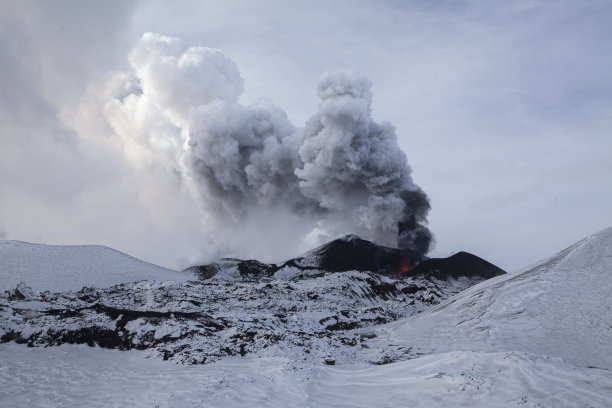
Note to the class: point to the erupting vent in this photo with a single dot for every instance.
(403, 266)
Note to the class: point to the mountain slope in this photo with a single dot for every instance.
(560, 307)
(70, 267)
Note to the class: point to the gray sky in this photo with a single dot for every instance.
(504, 110)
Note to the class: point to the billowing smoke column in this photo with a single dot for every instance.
(342, 173)
(352, 164)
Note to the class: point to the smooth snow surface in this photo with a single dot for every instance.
(80, 376)
(71, 267)
(463, 379)
(77, 376)
(561, 307)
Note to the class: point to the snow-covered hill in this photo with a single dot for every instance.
(560, 307)
(70, 267)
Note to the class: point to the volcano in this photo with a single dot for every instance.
(455, 266)
(352, 253)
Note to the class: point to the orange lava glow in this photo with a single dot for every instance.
(402, 267)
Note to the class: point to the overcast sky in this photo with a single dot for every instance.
(504, 110)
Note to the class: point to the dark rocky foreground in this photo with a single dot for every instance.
(321, 306)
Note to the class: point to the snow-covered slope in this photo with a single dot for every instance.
(70, 267)
(539, 337)
(561, 307)
(463, 379)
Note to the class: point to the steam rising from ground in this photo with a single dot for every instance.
(249, 167)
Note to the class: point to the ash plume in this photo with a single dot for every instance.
(353, 165)
(341, 173)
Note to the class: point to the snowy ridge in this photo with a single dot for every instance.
(71, 267)
(560, 307)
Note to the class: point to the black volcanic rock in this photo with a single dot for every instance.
(326, 317)
(455, 266)
(351, 253)
(248, 269)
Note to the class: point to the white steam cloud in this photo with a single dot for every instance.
(342, 173)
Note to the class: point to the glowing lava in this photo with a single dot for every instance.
(402, 267)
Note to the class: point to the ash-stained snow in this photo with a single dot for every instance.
(70, 267)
